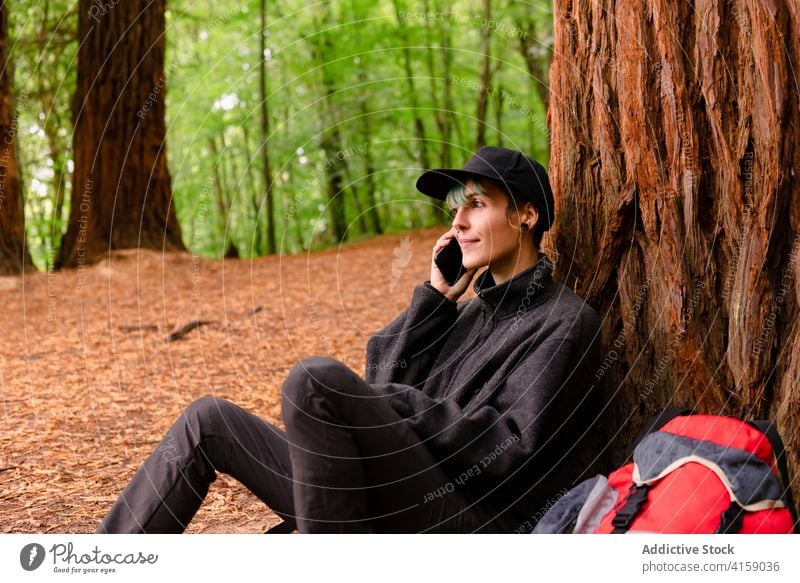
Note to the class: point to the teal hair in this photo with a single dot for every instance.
(457, 197)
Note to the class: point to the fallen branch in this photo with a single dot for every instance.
(138, 327)
(186, 328)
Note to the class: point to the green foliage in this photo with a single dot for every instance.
(335, 71)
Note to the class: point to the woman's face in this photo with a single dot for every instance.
(483, 229)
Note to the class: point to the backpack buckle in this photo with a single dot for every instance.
(637, 496)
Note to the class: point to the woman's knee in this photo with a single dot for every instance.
(311, 379)
(208, 414)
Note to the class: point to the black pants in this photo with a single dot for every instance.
(346, 463)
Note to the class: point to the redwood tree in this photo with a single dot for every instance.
(675, 158)
(121, 196)
(14, 257)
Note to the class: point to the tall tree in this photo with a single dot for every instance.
(14, 256)
(676, 129)
(122, 195)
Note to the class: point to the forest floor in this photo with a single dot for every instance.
(89, 383)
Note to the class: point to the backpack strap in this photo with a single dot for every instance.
(771, 432)
(655, 423)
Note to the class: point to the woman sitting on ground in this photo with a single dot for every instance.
(471, 415)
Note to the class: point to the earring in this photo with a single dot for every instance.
(524, 226)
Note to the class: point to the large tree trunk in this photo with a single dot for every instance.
(14, 256)
(121, 196)
(674, 159)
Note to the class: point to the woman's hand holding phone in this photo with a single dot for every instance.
(438, 280)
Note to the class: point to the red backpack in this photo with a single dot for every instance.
(689, 474)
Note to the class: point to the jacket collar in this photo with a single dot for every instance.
(510, 296)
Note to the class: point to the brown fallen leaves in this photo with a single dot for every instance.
(89, 384)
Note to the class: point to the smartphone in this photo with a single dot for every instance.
(448, 260)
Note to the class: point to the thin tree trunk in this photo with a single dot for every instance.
(675, 129)
(51, 125)
(334, 172)
(498, 116)
(369, 165)
(440, 115)
(294, 215)
(537, 54)
(269, 193)
(14, 256)
(232, 171)
(372, 187)
(447, 118)
(331, 138)
(419, 124)
(219, 157)
(351, 185)
(486, 75)
(252, 188)
(121, 196)
(223, 206)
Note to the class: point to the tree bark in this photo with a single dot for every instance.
(122, 195)
(675, 151)
(14, 256)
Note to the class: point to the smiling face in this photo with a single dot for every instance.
(486, 232)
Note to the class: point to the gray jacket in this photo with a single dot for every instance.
(498, 387)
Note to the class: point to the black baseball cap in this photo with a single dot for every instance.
(519, 174)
